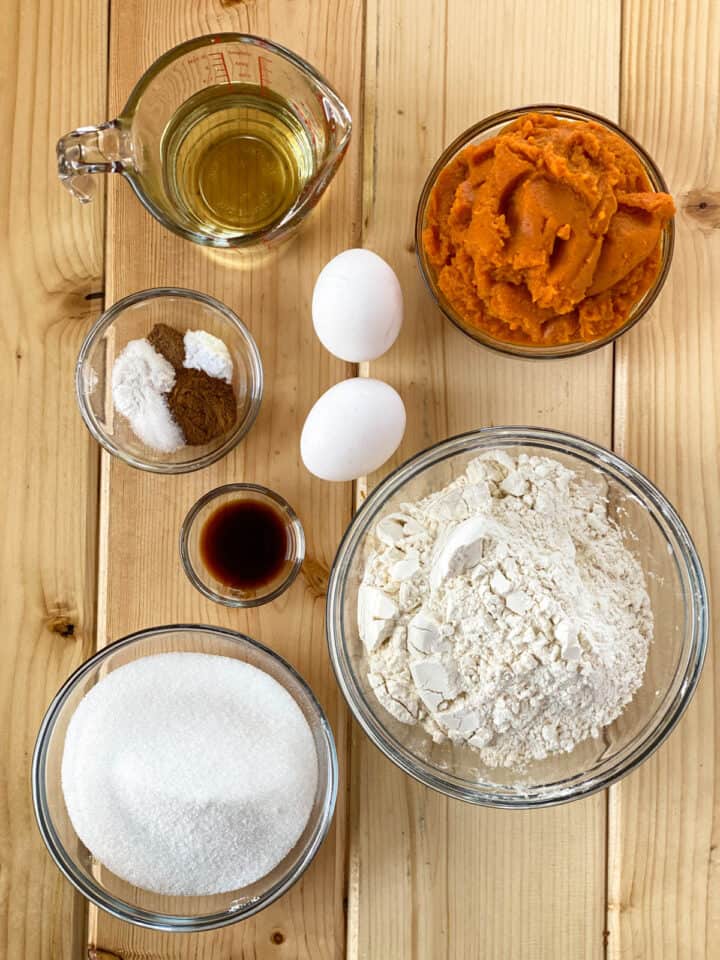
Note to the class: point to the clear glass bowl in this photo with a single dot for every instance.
(191, 556)
(100, 885)
(653, 532)
(491, 127)
(132, 318)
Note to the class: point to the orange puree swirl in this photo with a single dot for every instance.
(546, 234)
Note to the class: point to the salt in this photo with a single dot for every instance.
(141, 377)
(189, 774)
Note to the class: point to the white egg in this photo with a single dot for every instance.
(357, 306)
(352, 429)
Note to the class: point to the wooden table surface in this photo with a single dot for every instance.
(90, 546)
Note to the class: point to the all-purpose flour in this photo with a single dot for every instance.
(505, 611)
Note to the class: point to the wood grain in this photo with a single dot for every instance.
(433, 878)
(427, 879)
(145, 583)
(53, 77)
(664, 822)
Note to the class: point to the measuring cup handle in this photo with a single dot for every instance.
(104, 148)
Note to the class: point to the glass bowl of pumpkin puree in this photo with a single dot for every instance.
(544, 232)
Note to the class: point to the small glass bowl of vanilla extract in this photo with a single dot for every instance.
(242, 545)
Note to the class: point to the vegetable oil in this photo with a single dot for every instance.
(236, 157)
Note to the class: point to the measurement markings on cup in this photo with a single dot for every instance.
(240, 62)
(264, 64)
(219, 66)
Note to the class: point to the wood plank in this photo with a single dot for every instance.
(53, 78)
(664, 820)
(145, 582)
(433, 878)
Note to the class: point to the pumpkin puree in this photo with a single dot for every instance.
(546, 234)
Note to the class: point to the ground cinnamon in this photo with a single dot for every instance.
(203, 406)
(169, 342)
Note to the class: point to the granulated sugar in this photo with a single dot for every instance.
(189, 773)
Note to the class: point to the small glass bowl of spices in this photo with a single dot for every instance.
(242, 545)
(169, 380)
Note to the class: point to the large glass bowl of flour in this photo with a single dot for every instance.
(91, 877)
(658, 553)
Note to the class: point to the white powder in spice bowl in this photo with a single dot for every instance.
(205, 352)
(141, 380)
(505, 612)
(189, 774)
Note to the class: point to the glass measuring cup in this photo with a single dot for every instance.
(228, 140)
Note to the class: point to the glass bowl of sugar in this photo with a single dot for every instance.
(184, 778)
(517, 617)
(169, 380)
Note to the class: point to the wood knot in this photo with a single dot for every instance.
(97, 953)
(62, 625)
(79, 306)
(277, 938)
(703, 206)
(619, 906)
(316, 576)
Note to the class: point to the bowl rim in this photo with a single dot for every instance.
(525, 351)
(563, 443)
(292, 521)
(255, 392)
(121, 909)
